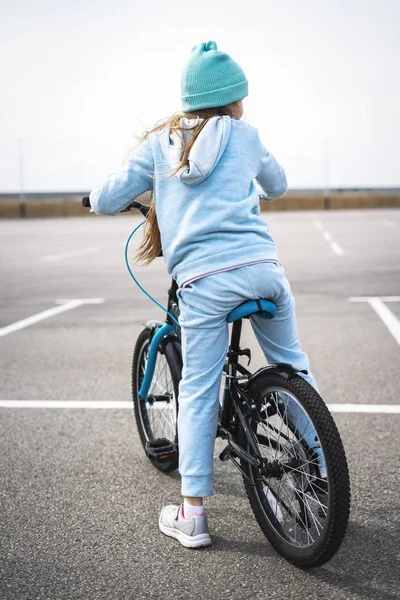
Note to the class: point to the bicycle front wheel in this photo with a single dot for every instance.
(300, 495)
(156, 418)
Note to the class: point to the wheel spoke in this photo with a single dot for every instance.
(158, 417)
(295, 498)
(304, 504)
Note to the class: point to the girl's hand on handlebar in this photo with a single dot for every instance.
(143, 208)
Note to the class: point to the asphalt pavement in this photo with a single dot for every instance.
(79, 502)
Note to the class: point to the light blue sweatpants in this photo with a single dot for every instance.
(204, 305)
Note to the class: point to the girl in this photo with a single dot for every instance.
(203, 165)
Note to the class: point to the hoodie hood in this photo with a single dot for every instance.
(205, 153)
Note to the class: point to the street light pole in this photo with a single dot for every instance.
(22, 199)
(326, 180)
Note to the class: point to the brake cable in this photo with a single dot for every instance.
(137, 282)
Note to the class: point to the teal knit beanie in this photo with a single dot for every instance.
(211, 78)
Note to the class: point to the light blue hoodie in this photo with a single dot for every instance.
(208, 213)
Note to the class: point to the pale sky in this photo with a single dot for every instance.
(81, 77)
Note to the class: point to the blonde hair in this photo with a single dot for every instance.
(150, 247)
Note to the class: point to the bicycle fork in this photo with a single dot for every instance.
(158, 336)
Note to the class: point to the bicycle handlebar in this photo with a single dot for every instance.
(143, 208)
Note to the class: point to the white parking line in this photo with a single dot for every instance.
(389, 409)
(383, 312)
(338, 250)
(51, 312)
(92, 404)
(393, 409)
(78, 252)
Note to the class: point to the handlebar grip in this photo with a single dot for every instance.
(143, 208)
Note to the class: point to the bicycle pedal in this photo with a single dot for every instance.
(227, 453)
(161, 450)
(151, 398)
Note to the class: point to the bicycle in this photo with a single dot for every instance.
(299, 494)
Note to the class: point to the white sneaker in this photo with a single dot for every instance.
(191, 533)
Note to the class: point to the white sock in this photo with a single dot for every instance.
(189, 510)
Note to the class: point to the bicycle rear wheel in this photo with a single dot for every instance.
(156, 418)
(301, 495)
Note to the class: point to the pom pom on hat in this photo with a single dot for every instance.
(206, 46)
(211, 78)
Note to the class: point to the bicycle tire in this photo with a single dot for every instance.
(263, 496)
(147, 427)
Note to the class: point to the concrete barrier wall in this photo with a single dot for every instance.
(38, 206)
(334, 201)
(363, 200)
(294, 202)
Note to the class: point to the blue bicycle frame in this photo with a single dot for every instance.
(161, 331)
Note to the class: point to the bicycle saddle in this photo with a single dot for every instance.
(265, 308)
